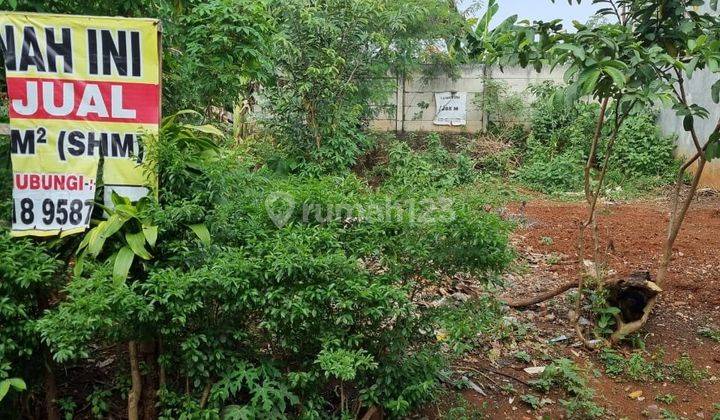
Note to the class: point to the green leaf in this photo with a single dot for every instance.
(117, 199)
(123, 262)
(79, 264)
(484, 23)
(712, 151)
(207, 129)
(151, 234)
(617, 76)
(18, 384)
(137, 244)
(576, 50)
(126, 210)
(690, 67)
(715, 136)
(170, 119)
(715, 91)
(202, 233)
(4, 388)
(688, 122)
(588, 80)
(96, 239)
(97, 236)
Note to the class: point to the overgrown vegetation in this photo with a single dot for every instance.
(266, 280)
(547, 144)
(323, 311)
(292, 269)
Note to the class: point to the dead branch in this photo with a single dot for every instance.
(524, 303)
(505, 375)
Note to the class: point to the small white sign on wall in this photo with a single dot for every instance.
(450, 108)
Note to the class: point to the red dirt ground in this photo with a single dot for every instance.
(631, 236)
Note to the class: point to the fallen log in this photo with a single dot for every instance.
(634, 296)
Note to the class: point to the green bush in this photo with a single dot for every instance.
(28, 278)
(560, 139)
(556, 174)
(507, 111)
(332, 59)
(6, 183)
(226, 47)
(642, 151)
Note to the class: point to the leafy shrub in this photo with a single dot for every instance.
(411, 171)
(326, 78)
(684, 369)
(28, 274)
(506, 110)
(558, 174)
(461, 327)
(4, 118)
(556, 125)
(230, 40)
(558, 144)
(332, 60)
(5, 181)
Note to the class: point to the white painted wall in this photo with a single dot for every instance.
(698, 90)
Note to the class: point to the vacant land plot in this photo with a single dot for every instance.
(671, 369)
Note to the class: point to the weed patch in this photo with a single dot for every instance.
(640, 366)
(566, 375)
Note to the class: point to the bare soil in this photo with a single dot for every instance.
(631, 239)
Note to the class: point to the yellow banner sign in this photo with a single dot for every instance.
(82, 90)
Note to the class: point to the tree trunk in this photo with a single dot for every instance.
(51, 392)
(676, 221)
(136, 390)
(677, 217)
(50, 385)
(148, 353)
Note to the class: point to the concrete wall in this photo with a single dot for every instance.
(412, 106)
(698, 89)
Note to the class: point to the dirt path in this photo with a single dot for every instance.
(632, 236)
